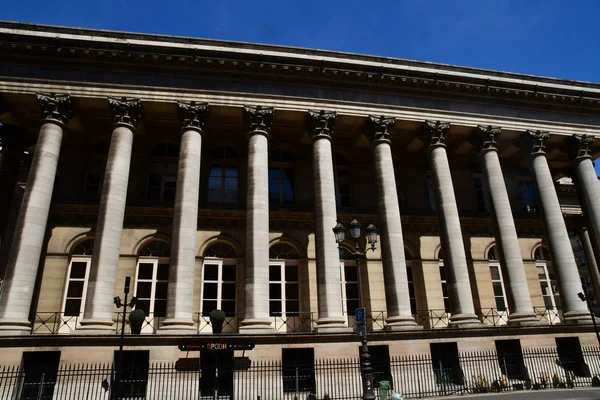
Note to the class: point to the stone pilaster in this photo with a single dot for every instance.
(507, 242)
(560, 245)
(28, 239)
(321, 125)
(399, 315)
(256, 314)
(98, 313)
(455, 261)
(185, 222)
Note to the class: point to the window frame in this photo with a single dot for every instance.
(527, 205)
(164, 164)
(343, 264)
(156, 261)
(223, 191)
(87, 259)
(219, 262)
(280, 166)
(282, 264)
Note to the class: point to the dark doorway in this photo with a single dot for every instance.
(445, 363)
(134, 373)
(298, 370)
(40, 369)
(571, 356)
(380, 361)
(510, 358)
(216, 374)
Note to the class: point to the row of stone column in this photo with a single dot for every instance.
(15, 300)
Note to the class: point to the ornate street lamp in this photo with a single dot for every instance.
(119, 304)
(366, 369)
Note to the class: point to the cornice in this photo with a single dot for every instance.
(126, 51)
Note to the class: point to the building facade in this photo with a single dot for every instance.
(213, 173)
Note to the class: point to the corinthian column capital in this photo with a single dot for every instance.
(580, 146)
(56, 108)
(534, 142)
(258, 119)
(193, 115)
(435, 133)
(321, 124)
(380, 128)
(125, 111)
(486, 137)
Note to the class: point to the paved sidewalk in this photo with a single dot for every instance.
(546, 394)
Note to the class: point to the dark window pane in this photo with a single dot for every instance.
(160, 308)
(143, 305)
(409, 273)
(288, 185)
(169, 194)
(229, 273)
(352, 290)
(154, 180)
(211, 272)
(413, 306)
(351, 273)
(228, 306)
(228, 291)
(274, 308)
(210, 290)
(216, 171)
(208, 306)
(291, 291)
(274, 291)
(230, 196)
(495, 272)
(274, 185)
(498, 289)
(214, 196)
(292, 306)
(444, 290)
(274, 272)
(161, 290)
(291, 273)
(72, 307)
(145, 270)
(442, 273)
(231, 172)
(214, 183)
(447, 305)
(548, 302)
(411, 291)
(352, 306)
(500, 304)
(163, 272)
(144, 290)
(78, 269)
(75, 289)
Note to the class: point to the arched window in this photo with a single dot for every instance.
(343, 190)
(223, 179)
(162, 177)
(444, 282)
(350, 276)
(77, 279)
(497, 281)
(94, 173)
(545, 270)
(282, 183)
(411, 281)
(219, 279)
(284, 286)
(153, 278)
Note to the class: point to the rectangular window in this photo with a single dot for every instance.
(151, 286)
(571, 356)
(223, 185)
(162, 182)
(40, 369)
(445, 363)
(134, 375)
(444, 288)
(498, 287)
(350, 291)
(298, 370)
(219, 287)
(528, 196)
(342, 188)
(431, 192)
(284, 291)
(547, 285)
(76, 286)
(480, 194)
(281, 186)
(510, 358)
(411, 288)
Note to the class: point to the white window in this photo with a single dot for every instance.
(499, 317)
(284, 289)
(547, 279)
(152, 280)
(76, 286)
(350, 286)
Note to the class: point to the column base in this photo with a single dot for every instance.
(523, 319)
(464, 321)
(177, 327)
(577, 317)
(401, 323)
(256, 326)
(98, 327)
(332, 325)
(14, 327)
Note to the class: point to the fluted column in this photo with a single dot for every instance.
(256, 314)
(556, 230)
(590, 259)
(28, 239)
(331, 317)
(507, 242)
(399, 315)
(180, 299)
(98, 313)
(455, 261)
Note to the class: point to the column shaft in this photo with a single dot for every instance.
(560, 245)
(588, 187)
(28, 239)
(256, 313)
(590, 259)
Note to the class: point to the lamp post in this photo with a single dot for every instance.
(366, 369)
(119, 304)
(585, 298)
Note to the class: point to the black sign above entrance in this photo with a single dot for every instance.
(217, 346)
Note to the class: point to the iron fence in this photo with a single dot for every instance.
(415, 376)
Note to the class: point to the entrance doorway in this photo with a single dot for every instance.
(216, 375)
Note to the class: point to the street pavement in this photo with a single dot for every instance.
(547, 394)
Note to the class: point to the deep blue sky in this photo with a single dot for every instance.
(557, 38)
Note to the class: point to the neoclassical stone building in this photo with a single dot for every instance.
(212, 173)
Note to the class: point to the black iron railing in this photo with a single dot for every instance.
(415, 376)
